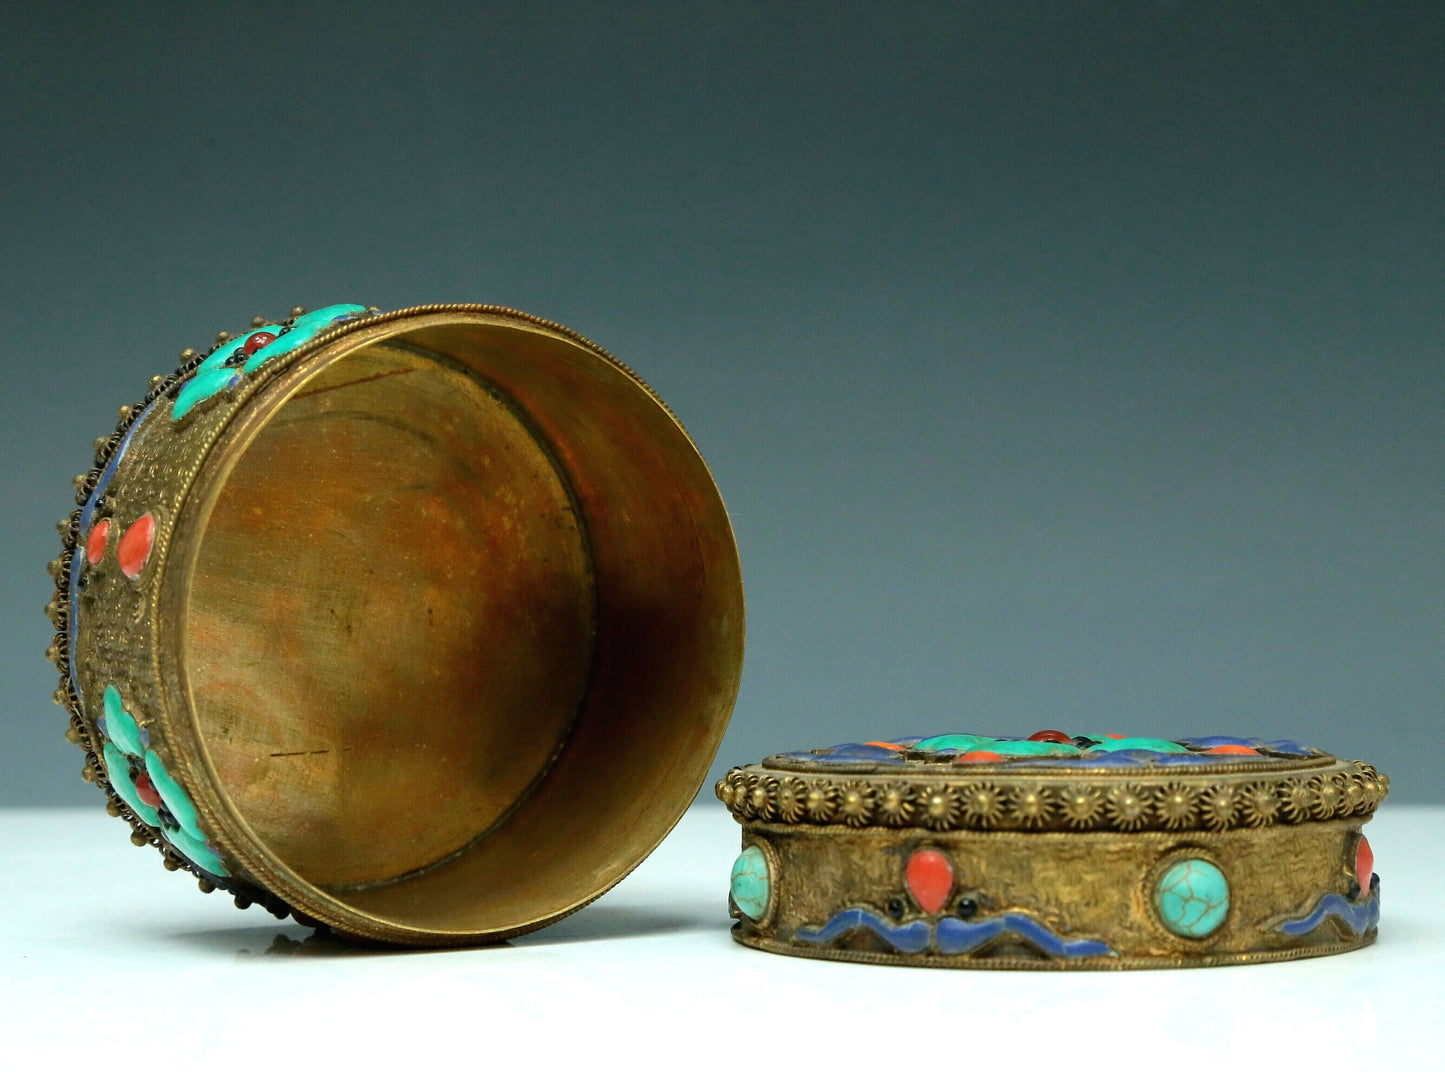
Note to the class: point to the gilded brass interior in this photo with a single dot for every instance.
(464, 628)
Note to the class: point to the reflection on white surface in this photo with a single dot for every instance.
(104, 952)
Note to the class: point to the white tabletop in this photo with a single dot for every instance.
(106, 956)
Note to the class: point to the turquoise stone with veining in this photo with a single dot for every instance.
(1192, 898)
(178, 803)
(752, 883)
(120, 727)
(964, 742)
(198, 852)
(1144, 744)
(305, 329)
(117, 771)
(201, 386)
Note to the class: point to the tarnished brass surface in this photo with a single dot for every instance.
(441, 629)
(1074, 855)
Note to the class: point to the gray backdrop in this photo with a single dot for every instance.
(1063, 365)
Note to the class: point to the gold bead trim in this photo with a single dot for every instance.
(1003, 801)
(79, 731)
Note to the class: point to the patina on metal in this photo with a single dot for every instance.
(964, 851)
(421, 625)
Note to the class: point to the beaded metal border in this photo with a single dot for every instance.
(1034, 801)
(58, 610)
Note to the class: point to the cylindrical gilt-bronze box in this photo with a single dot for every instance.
(1091, 851)
(422, 625)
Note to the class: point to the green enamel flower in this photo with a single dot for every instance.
(218, 372)
(120, 727)
(117, 769)
(179, 824)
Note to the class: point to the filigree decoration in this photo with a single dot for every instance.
(1217, 805)
(1031, 807)
(1258, 804)
(792, 800)
(895, 804)
(939, 807)
(732, 791)
(855, 803)
(723, 790)
(1355, 795)
(1176, 805)
(821, 802)
(1127, 806)
(1081, 806)
(1329, 796)
(983, 804)
(1298, 801)
(1036, 804)
(82, 731)
(1377, 786)
(762, 796)
(738, 790)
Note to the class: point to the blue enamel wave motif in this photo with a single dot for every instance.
(961, 936)
(1360, 916)
(954, 936)
(906, 938)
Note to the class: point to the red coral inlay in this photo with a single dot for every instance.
(134, 550)
(256, 341)
(96, 543)
(1364, 863)
(930, 879)
(146, 790)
